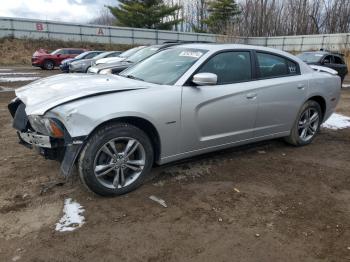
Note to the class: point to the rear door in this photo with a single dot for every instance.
(221, 114)
(339, 66)
(281, 90)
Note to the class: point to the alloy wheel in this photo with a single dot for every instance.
(119, 162)
(308, 124)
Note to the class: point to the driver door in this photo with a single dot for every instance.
(217, 115)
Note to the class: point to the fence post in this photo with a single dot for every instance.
(157, 37)
(323, 37)
(132, 36)
(302, 43)
(12, 28)
(283, 41)
(48, 30)
(110, 35)
(266, 41)
(81, 34)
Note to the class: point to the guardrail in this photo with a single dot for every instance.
(33, 28)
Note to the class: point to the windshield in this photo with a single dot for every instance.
(58, 51)
(165, 67)
(82, 55)
(310, 57)
(130, 52)
(103, 55)
(142, 54)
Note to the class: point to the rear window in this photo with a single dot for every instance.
(310, 57)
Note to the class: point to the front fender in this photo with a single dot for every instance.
(160, 107)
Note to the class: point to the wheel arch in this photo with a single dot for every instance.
(321, 101)
(143, 124)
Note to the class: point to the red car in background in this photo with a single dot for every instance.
(41, 58)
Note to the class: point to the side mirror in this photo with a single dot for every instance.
(58, 55)
(326, 61)
(205, 79)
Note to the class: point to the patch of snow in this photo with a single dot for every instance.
(72, 216)
(18, 79)
(5, 69)
(17, 73)
(337, 121)
(346, 85)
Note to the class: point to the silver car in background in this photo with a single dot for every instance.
(82, 66)
(181, 102)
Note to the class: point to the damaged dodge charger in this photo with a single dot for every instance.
(183, 101)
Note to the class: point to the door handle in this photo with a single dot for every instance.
(301, 86)
(251, 95)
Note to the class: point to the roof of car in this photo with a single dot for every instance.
(323, 52)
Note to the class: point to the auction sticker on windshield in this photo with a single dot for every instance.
(194, 54)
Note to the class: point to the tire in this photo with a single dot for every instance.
(49, 65)
(296, 137)
(96, 156)
(87, 69)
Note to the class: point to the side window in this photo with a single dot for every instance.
(338, 60)
(328, 59)
(275, 66)
(230, 67)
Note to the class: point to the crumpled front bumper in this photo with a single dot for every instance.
(64, 150)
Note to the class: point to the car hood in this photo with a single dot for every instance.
(44, 94)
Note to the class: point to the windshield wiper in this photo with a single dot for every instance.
(133, 77)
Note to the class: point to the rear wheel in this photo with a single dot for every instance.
(49, 65)
(306, 125)
(116, 159)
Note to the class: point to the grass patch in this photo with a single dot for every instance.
(20, 51)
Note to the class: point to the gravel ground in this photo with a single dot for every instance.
(263, 202)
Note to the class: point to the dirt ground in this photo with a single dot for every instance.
(263, 202)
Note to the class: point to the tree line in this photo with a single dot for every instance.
(230, 17)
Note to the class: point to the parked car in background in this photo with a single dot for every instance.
(49, 61)
(180, 102)
(121, 57)
(64, 66)
(117, 67)
(82, 65)
(327, 59)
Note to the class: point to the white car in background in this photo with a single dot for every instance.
(119, 58)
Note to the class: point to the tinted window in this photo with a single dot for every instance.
(274, 66)
(75, 51)
(230, 67)
(328, 59)
(338, 60)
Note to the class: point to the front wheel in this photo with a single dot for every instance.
(116, 159)
(306, 125)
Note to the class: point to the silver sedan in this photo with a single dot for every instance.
(182, 101)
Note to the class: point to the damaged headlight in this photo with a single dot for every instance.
(46, 126)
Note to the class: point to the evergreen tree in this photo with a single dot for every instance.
(221, 15)
(153, 14)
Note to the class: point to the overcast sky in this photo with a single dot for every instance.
(59, 10)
